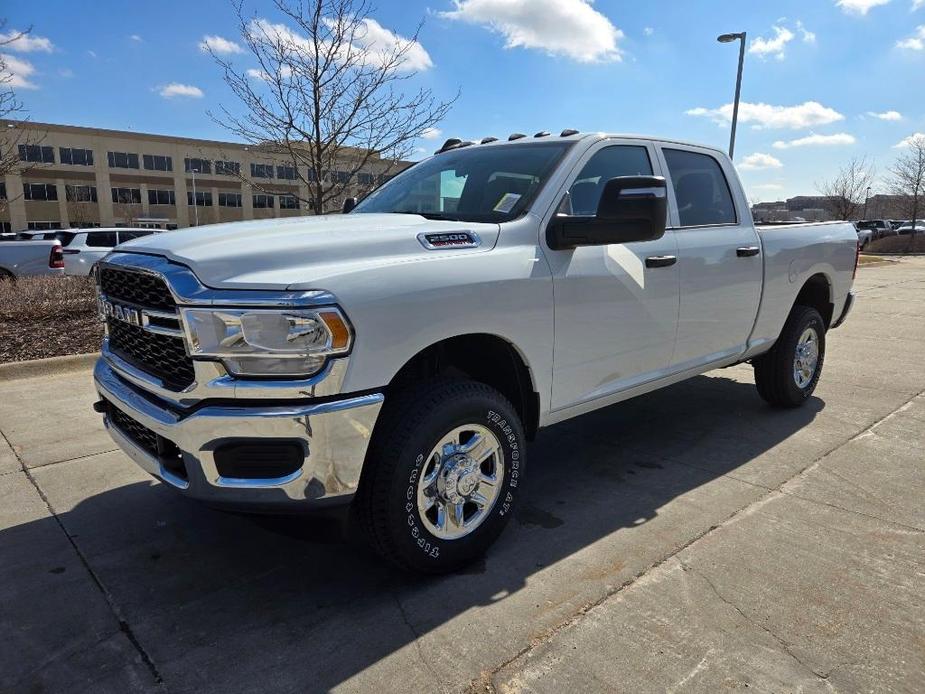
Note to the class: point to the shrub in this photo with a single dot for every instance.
(897, 244)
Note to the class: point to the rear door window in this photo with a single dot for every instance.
(129, 235)
(700, 189)
(102, 239)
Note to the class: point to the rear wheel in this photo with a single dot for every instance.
(787, 375)
(445, 468)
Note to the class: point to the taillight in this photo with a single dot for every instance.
(857, 259)
(56, 258)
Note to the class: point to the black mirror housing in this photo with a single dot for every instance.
(349, 204)
(631, 208)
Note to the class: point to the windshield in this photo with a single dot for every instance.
(470, 184)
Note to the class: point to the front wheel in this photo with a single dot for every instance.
(445, 469)
(787, 375)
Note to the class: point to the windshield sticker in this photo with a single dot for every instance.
(506, 203)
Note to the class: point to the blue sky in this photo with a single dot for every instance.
(813, 82)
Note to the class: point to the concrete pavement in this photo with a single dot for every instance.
(689, 540)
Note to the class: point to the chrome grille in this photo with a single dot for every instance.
(138, 288)
(146, 347)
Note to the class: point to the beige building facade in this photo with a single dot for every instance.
(82, 177)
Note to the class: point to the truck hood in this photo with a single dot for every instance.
(302, 252)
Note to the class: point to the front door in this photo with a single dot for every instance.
(616, 306)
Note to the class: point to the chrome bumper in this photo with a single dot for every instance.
(849, 304)
(335, 435)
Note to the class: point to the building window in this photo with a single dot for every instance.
(37, 153)
(170, 227)
(85, 225)
(80, 193)
(40, 191)
(227, 168)
(72, 155)
(203, 198)
(43, 226)
(261, 170)
(6, 227)
(122, 160)
(341, 176)
(126, 196)
(262, 202)
(229, 200)
(2, 191)
(286, 173)
(157, 162)
(288, 202)
(200, 166)
(161, 197)
(365, 179)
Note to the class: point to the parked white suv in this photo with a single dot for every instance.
(402, 355)
(83, 248)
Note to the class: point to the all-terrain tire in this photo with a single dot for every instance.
(411, 424)
(774, 371)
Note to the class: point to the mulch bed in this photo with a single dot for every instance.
(48, 317)
(897, 244)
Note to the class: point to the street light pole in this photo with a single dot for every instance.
(866, 198)
(728, 38)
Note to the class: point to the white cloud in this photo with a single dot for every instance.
(807, 35)
(136, 37)
(886, 115)
(431, 133)
(15, 40)
(905, 142)
(861, 7)
(377, 42)
(16, 72)
(916, 42)
(92, 54)
(758, 161)
(66, 72)
(775, 47)
(772, 47)
(168, 91)
(569, 28)
(835, 140)
(648, 31)
(804, 115)
(219, 45)
(917, 4)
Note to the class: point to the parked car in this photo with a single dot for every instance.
(878, 228)
(896, 223)
(402, 355)
(865, 236)
(906, 229)
(26, 258)
(83, 248)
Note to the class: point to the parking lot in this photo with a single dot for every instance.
(689, 540)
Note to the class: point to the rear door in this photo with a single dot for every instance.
(719, 256)
(93, 246)
(616, 305)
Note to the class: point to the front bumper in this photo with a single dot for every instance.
(335, 435)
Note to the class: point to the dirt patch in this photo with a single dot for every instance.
(48, 317)
(897, 244)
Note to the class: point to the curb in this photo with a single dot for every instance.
(47, 367)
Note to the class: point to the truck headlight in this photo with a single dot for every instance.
(264, 342)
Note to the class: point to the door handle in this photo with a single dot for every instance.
(661, 260)
(748, 251)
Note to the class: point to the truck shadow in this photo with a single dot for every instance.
(227, 603)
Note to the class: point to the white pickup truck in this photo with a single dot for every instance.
(401, 356)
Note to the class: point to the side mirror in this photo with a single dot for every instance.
(349, 204)
(631, 208)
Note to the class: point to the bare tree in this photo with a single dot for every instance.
(907, 178)
(846, 192)
(327, 93)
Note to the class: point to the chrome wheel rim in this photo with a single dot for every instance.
(806, 358)
(460, 481)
